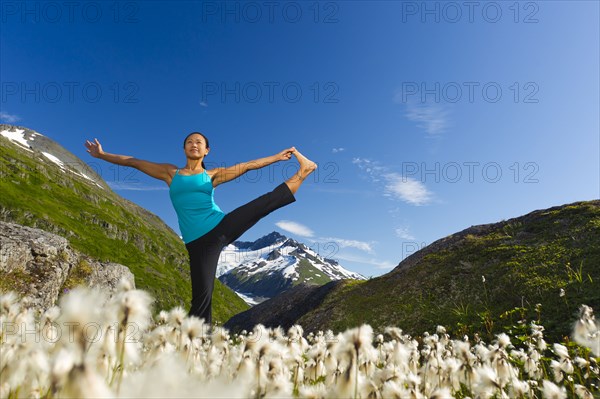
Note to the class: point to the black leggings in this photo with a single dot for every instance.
(204, 251)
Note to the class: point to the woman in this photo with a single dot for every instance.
(206, 230)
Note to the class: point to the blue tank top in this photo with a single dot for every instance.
(193, 199)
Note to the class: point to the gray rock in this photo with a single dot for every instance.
(42, 265)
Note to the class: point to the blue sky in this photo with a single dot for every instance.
(425, 117)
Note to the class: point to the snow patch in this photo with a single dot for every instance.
(61, 164)
(290, 272)
(248, 299)
(54, 159)
(18, 137)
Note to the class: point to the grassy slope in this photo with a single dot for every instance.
(525, 261)
(103, 225)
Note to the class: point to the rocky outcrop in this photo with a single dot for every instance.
(42, 265)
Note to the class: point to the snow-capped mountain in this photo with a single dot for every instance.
(264, 268)
(47, 150)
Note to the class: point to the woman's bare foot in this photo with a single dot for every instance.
(306, 165)
(306, 168)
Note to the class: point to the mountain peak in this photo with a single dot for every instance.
(273, 264)
(47, 151)
(263, 242)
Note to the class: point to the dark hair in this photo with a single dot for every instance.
(205, 139)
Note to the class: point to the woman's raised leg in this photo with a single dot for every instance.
(235, 223)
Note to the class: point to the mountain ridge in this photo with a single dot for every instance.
(274, 263)
(472, 280)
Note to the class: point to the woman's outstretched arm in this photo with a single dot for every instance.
(223, 175)
(161, 171)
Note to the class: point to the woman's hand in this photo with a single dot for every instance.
(95, 149)
(285, 154)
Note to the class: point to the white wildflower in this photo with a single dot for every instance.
(486, 381)
(84, 382)
(505, 371)
(63, 364)
(178, 359)
(163, 317)
(9, 303)
(82, 313)
(391, 389)
(581, 362)
(503, 340)
(552, 391)
(317, 391)
(561, 351)
(556, 369)
(519, 388)
(587, 331)
(279, 387)
(176, 316)
(566, 365)
(192, 328)
(360, 337)
(132, 307)
(582, 392)
(395, 333)
(441, 393)
(541, 344)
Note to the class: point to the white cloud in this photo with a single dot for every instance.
(304, 231)
(336, 150)
(407, 189)
(203, 104)
(295, 228)
(373, 169)
(431, 117)
(395, 185)
(403, 233)
(6, 117)
(344, 243)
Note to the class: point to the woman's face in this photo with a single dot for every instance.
(195, 147)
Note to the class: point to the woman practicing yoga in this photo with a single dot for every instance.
(206, 230)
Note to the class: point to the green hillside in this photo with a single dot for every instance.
(101, 224)
(485, 278)
(310, 274)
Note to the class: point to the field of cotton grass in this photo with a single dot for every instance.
(92, 346)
